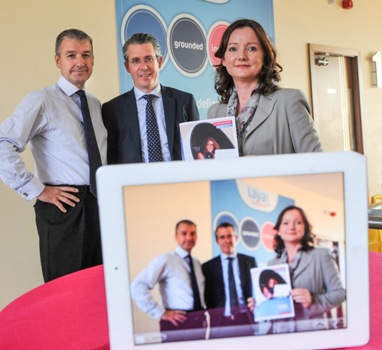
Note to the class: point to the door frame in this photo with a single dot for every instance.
(355, 74)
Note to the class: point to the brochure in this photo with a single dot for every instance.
(272, 287)
(209, 139)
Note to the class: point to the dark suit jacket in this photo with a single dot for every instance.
(120, 117)
(214, 283)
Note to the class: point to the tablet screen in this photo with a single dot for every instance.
(252, 206)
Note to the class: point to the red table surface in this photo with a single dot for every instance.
(70, 313)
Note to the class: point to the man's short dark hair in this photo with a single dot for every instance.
(224, 225)
(140, 39)
(184, 221)
(75, 34)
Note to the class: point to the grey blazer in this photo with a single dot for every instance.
(282, 124)
(317, 272)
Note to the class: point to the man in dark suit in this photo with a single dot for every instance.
(228, 286)
(129, 132)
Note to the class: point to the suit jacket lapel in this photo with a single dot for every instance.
(305, 261)
(245, 275)
(130, 114)
(264, 109)
(241, 262)
(169, 106)
(220, 280)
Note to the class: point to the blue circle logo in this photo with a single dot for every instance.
(250, 233)
(144, 19)
(187, 43)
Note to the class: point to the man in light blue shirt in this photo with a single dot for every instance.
(51, 122)
(172, 273)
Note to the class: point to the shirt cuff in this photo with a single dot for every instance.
(158, 312)
(32, 189)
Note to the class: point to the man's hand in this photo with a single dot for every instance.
(176, 317)
(58, 195)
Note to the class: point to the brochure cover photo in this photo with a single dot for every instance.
(272, 287)
(209, 139)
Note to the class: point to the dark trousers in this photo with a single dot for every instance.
(69, 241)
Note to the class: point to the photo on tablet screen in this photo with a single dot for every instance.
(272, 292)
(256, 251)
(252, 206)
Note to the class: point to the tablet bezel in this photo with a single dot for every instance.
(112, 179)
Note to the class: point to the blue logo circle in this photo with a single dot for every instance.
(187, 43)
(144, 19)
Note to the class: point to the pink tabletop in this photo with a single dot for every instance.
(70, 313)
(66, 313)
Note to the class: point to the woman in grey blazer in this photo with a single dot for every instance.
(316, 284)
(269, 120)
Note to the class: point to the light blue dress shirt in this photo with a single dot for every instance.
(50, 121)
(171, 272)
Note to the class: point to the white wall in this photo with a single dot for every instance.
(299, 22)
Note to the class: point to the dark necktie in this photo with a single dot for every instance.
(232, 285)
(153, 139)
(194, 284)
(91, 142)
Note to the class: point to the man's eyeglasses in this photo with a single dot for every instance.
(136, 60)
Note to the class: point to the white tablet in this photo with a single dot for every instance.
(141, 203)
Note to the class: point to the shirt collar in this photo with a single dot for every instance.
(181, 252)
(138, 93)
(68, 88)
(225, 256)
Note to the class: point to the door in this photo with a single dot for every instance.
(336, 103)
